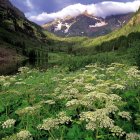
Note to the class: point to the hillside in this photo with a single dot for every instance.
(19, 34)
(120, 39)
(123, 37)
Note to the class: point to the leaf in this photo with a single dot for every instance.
(89, 138)
(1, 108)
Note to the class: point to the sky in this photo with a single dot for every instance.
(43, 11)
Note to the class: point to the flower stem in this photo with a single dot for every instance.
(51, 135)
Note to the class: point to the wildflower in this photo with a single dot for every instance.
(117, 65)
(7, 84)
(12, 79)
(133, 72)
(69, 93)
(24, 135)
(79, 81)
(125, 115)
(95, 95)
(89, 87)
(2, 79)
(63, 118)
(96, 119)
(55, 79)
(114, 97)
(111, 108)
(23, 69)
(9, 123)
(90, 66)
(50, 102)
(117, 86)
(116, 130)
(28, 110)
(48, 124)
(20, 83)
(110, 69)
(72, 103)
(57, 90)
(132, 136)
(95, 71)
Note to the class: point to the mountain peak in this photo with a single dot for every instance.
(87, 24)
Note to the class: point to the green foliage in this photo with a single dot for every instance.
(24, 44)
(95, 102)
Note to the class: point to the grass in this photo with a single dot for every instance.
(95, 102)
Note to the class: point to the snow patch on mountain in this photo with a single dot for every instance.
(98, 24)
(58, 27)
(67, 26)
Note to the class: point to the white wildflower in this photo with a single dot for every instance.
(7, 84)
(48, 124)
(50, 102)
(9, 123)
(20, 83)
(24, 135)
(63, 118)
(28, 110)
(23, 69)
(116, 130)
(125, 115)
(132, 136)
(117, 86)
(72, 103)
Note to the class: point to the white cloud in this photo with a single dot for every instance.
(29, 4)
(102, 9)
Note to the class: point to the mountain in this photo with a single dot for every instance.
(122, 39)
(18, 34)
(87, 25)
(5, 4)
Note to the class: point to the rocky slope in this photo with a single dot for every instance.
(14, 20)
(87, 25)
(21, 34)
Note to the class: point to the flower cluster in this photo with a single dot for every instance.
(48, 124)
(63, 118)
(23, 70)
(28, 110)
(132, 136)
(50, 102)
(9, 123)
(97, 119)
(125, 115)
(20, 83)
(53, 123)
(89, 87)
(118, 86)
(69, 93)
(116, 130)
(72, 103)
(7, 84)
(24, 135)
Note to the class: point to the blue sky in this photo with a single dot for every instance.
(44, 8)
